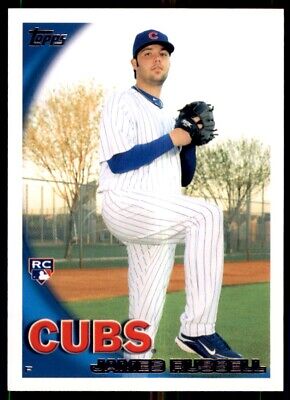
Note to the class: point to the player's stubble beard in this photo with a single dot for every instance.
(159, 81)
(156, 81)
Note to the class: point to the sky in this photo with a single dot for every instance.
(231, 58)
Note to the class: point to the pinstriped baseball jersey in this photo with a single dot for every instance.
(129, 119)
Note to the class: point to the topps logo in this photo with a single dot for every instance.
(41, 37)
(40, 269)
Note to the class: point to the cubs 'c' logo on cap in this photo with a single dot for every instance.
(153, 35)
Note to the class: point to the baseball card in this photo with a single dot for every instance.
(145, 238)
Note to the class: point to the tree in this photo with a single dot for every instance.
(61, 137)
(229, 173)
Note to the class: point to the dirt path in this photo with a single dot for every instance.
(100, 283)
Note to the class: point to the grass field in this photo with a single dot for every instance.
(115, 255)
(243, 320)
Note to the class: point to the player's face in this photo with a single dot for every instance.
(152, 65)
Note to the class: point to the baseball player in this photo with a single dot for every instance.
(144, 161)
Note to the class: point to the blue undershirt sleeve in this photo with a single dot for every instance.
(140, 155)
(188, 164)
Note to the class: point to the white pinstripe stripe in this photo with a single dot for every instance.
(148, 303)
(153, 278)
(129, 119)
(195, 222)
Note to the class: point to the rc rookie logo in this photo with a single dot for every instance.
(42, 37)
(40, 269)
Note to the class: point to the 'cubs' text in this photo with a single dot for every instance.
(45, 336)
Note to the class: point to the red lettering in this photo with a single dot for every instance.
(34, 336)
(131, 332)
(67, 336)
(106, 336)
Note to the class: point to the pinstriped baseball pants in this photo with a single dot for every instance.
(151, 225)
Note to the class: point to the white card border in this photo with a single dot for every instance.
(15, 380)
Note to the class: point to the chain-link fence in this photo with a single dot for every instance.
(60, 227)
(48, 210)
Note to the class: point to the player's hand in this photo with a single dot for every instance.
(180, 137)
(196, 120)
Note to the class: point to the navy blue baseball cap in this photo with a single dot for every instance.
(151, 36)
